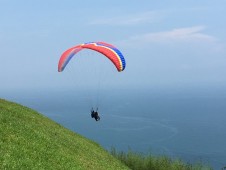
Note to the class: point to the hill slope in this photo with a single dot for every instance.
(29, 140)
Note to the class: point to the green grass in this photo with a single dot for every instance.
(29, 140)
(139, 161)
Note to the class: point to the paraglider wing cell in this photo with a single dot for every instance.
(66, 57)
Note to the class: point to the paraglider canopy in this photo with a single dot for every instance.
(108, 50)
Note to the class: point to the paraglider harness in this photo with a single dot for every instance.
(94, 114)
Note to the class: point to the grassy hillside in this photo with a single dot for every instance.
(29, 140)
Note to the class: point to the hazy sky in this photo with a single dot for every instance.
(176, 43)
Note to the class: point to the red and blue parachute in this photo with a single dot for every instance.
(108, 50)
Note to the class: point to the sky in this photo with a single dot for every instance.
(167, 44)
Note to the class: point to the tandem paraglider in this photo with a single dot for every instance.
(108, 50)
(95, 114)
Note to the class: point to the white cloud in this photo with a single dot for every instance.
(189, 34)
(131, 19)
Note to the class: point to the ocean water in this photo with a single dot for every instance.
(189, 125)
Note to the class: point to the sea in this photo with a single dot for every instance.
(186, 124)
